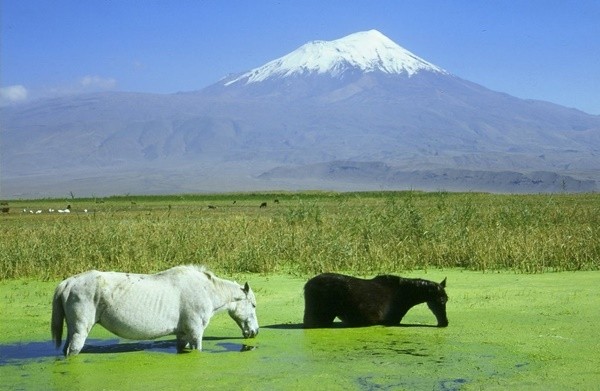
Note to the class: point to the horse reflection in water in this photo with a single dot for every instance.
(179, 301)
(359, 302)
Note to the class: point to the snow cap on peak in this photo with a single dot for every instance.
(367, 51)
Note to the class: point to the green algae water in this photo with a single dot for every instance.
(506, 330)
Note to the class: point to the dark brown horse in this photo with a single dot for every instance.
(359, 302)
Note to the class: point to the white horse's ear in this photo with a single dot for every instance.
(443, 283)
(246, 288)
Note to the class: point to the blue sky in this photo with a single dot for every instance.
(538, 49)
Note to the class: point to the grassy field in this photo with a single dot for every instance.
(303, 233)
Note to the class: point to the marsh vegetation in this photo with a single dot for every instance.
(303, 233)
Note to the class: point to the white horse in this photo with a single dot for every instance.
(179, 301)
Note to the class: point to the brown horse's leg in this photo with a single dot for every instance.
(315, 318)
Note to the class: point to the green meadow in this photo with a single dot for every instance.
(522, 271)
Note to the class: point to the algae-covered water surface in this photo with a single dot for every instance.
(506, 331)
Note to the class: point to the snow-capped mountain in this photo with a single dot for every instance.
(357, 113)
(366, 51)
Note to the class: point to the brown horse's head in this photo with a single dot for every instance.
(437, 303)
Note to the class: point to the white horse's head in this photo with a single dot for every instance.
(243, 311)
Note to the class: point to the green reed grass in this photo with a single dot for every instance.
(304, 233)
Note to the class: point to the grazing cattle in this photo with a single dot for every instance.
(179, 301)
(263, 205)
(358, 302)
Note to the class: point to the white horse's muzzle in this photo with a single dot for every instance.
(250, 333)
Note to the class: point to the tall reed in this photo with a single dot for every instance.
(306, 233)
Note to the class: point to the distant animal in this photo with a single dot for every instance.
(276, 201)
(5, 209)
(66, 210)
(179, 301)
(212, 207)
(381, 300)
(263, 205)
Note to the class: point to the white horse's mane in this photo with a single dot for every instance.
(202, 269)
(221, 284)
(198, 268)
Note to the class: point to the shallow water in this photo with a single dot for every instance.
(506, 331)
(20, 353)
(370, 358)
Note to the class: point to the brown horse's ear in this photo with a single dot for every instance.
(246, 288)
(443, 283)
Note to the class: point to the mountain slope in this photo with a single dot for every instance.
(361, 98)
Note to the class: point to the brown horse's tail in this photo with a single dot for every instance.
(58, 315)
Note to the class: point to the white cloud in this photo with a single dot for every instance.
(13, 94)
(94, 82)
(138, 65)
(90, 83)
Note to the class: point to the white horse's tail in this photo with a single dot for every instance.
(58, 315)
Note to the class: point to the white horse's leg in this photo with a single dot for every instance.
(181, 342)
(80, 320)
(74, 343)
(192, 335)
(196, 339)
